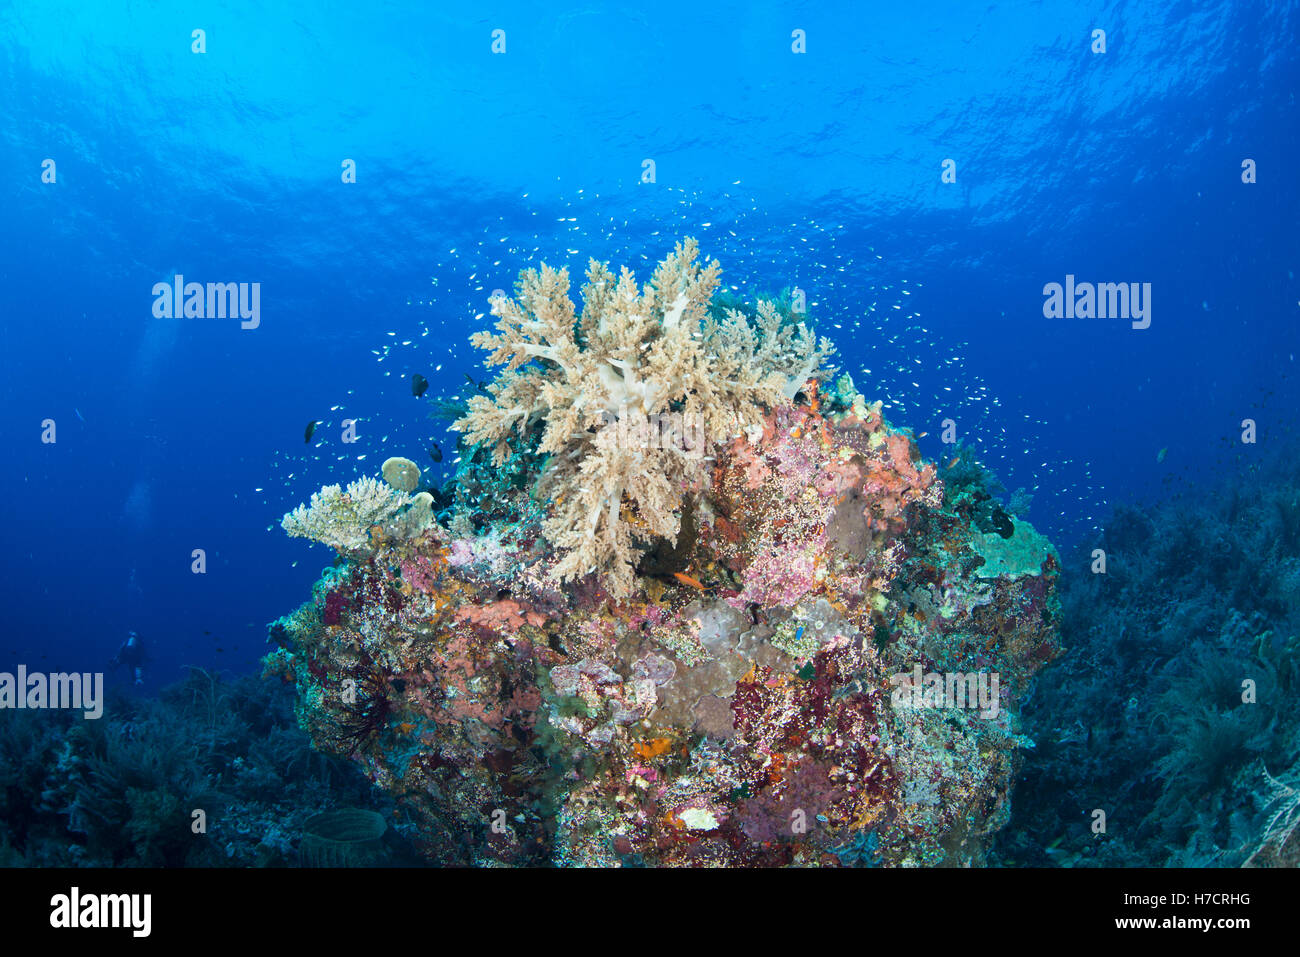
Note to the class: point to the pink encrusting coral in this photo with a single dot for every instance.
(781, 575)
(504, 616)
(420, 572)
(718, 689)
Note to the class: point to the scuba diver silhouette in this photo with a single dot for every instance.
(132, 654)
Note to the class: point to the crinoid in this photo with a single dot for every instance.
(364, 707)
(1283, 809)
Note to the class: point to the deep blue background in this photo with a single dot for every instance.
(821, 170)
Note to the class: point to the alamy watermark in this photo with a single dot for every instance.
(950, 689)
(74, 910)
(75, 691)
(179, 299)
(634, 429)
(1103, 300)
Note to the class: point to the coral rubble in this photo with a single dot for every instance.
(800, 648)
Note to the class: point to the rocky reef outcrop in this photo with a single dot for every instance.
(822, 666)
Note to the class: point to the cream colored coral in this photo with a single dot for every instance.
(633, 352)
(402, 474)
(342, 519)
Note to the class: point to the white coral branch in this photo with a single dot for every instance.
(342, 519)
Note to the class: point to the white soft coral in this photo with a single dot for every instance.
(631, 353)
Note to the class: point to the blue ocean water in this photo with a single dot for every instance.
(822, 169)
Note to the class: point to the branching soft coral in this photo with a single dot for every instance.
(633, 353)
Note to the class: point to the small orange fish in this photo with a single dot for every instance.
(406, 727)
(688, 580)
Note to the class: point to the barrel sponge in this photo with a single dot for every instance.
(402, 474)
